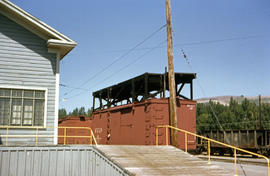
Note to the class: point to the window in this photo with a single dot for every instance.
(19, 107)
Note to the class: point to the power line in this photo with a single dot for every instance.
(160, 46)
(211, 107)
(194, 43)
(131, 63)
(220, 40)
(119, 58)
(190, 66)
(78, 88)
(121, 69)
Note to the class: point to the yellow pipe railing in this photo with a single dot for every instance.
(235, 168)
(7, 137)
(214, 141)
(186, 142)
(65, 134)
(209, 148)
(37, 136)
(167, 142)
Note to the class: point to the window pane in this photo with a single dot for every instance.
(27, 112)
(4, 93)
(39, 94)
(28, 93)
(17, 93)
(4, 111)
(22, 107)
(39, 112)
(16, 111)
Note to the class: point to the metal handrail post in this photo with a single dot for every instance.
(235, 166)
(167, 143)
(7, 137)
(209, 161)
(186, 142)
(94, 137)
(90, 136)
(156, 136)
(268, 166)
(37, 136)
(65, 131)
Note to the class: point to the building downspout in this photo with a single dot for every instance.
(57, 79)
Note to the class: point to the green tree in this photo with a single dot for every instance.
(62, 113)
(89, 113)
(244, 115)
(75, 112)
(82, 111)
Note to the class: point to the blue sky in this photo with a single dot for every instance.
(226, 42)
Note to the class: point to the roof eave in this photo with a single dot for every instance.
(54, 38)
(63, 46)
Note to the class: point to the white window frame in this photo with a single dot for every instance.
(30, 88)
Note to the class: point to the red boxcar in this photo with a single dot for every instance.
(74, 121)
(135, 123)
(146, 107)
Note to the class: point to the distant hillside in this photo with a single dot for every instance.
(226, 99)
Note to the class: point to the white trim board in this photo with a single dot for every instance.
(57, 81)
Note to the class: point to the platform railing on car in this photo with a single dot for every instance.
(90, 135)
(209, 145)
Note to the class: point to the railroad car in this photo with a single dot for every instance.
(129, 112)
(257, 141)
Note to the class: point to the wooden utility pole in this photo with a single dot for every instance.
(173, 113)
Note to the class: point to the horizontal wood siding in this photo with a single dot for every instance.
(25, 61)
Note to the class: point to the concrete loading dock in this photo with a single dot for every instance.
(162, 160)
(103, 160)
